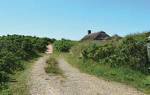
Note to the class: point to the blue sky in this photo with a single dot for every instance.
(72, 18)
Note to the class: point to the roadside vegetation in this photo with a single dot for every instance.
(52, 66)
(18, 84)
(63, 45)
(128, 53)
(15, 52)
(118, 59)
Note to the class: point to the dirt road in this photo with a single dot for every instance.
(73, 83)
(38, 83)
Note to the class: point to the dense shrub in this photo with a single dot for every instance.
(130, 52)
(63, 45)
(3, 78)
(17, 48)
(9, 63)
(135, 51)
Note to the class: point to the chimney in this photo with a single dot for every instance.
(89, 32)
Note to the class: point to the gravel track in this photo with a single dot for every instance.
(73, 82)
(39, 85)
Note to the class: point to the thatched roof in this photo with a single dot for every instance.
(96, 36)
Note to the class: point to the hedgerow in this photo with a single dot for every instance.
(63, 45)
(130, 52)
(17, 48)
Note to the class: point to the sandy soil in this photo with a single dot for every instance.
(38, 83)
(73, 82)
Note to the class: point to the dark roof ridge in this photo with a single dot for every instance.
(96, 36)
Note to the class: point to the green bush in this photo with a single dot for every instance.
(135, 52)
(17, 48)
(98, 53)
(63, 45)
(10, 63)
(4, 77)
(129, 52)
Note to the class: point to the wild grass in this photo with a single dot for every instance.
(18, 84)
(52, 66)
(119, 74)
